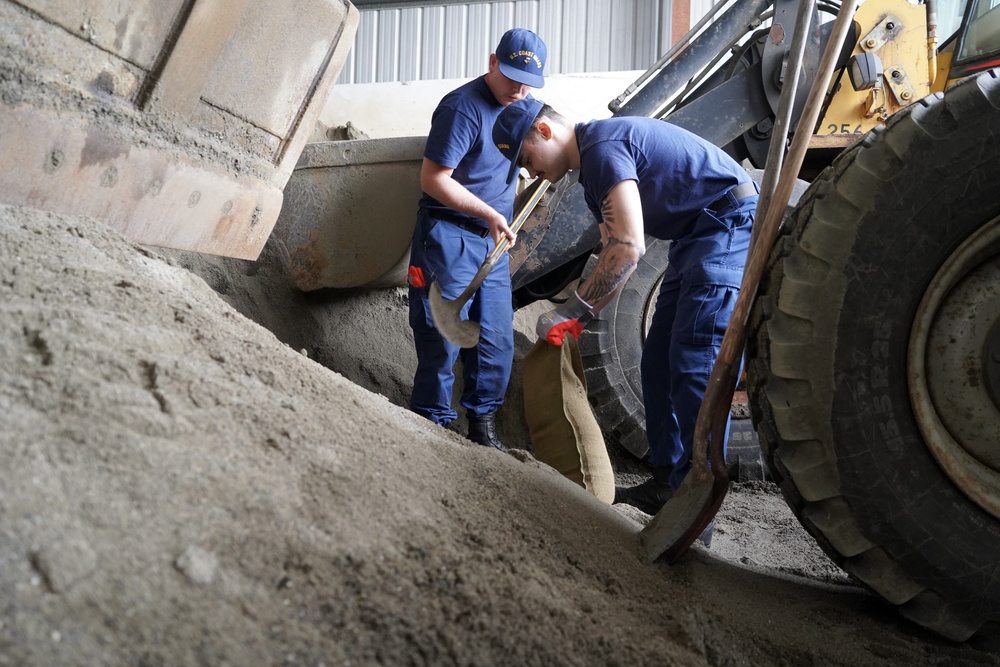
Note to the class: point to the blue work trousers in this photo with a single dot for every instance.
(693, 308)
(451, 256)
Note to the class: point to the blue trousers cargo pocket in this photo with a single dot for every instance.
(705, 304)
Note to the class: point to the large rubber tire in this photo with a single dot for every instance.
(611, 348)
(833, 356)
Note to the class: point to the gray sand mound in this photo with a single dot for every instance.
(181, 487)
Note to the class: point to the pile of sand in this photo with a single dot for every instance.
(181, 486)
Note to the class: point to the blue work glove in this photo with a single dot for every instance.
(571, 317)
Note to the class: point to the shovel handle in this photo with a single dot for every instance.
(733, 340)
(711, 420)
(522, 214)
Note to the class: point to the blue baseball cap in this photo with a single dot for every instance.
(512, 126)
(522, 57)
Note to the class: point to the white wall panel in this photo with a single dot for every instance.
(699, 8)
(366, 47)
(622, 37)
(501, 20)
(597, 35)
(410, 29)
(574, 47)
(387, 46)
(648, 36)
(549, 27)
(525, 14)
(667, 28)
(480, 41)
(432, 44)
(453, 41)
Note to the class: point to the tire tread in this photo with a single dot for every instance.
(793, 338)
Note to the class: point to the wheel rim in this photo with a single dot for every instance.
(954, 367)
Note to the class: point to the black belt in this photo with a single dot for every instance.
(458, 221)
(733, 196)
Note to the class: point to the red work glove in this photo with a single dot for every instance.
(571, 317)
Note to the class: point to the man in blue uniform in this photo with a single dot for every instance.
(645, 176)
(464, 210)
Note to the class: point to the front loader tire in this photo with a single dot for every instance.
(837, 344)
(611, 348)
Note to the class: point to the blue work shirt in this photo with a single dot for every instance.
(678, 173)
(461, 138)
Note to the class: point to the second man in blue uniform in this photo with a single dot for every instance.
(645, 176)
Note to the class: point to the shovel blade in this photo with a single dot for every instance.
(679, 523)
(447, 316)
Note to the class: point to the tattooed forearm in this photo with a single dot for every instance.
(608, 211)
(615, 264)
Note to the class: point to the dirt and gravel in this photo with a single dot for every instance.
(203, 466)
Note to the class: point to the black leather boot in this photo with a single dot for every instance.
(649, 496)
(482, 431)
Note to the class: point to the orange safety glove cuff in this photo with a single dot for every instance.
(415, 276)
(557, 333)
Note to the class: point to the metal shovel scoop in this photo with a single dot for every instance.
(694, 504)
(447, 315)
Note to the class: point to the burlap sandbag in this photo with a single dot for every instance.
(564, 432)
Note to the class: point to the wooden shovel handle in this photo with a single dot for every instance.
(522, 214)
(722, 382)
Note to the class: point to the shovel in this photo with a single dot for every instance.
(695, 502)
(447, 315)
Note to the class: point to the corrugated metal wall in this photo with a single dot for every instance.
(454, 41)
(701, 7)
